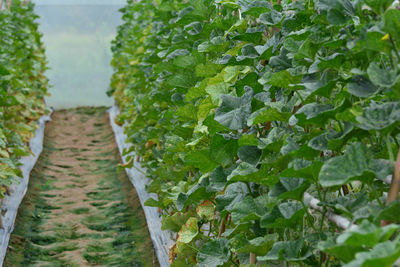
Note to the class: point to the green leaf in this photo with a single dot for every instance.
(267, 114)
(366, 235)
(319, 142)
(254, 7)
(187, 112)
(381, 77)
(391, 20)
(279, 79)
(285, 215)
(176, 221)
(181, 80)
(201, 159)
(289, 188)
(234, 111)
(188, 231)
(250, 154)
(234, 193)
(216, 90)
(271, 18)
(336, 17)
(391, 212)
(354, 164)
(248, 140)
(383, 254)
(248, 209)
(303, 169)
(207, 70)
(223, 150)
(248, 51)
(379, 116)
(185, 62)
(379, 6)
(213, 253)
(245, 172)
(259, 245)
(218, 180)
(318, 114)
(288, 251)
(361, 86)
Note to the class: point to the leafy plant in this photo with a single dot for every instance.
(22, 86)
(243, 106)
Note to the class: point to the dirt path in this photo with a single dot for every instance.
(79, 211)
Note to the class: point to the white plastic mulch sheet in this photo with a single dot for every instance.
(162, 240)
(11, 202)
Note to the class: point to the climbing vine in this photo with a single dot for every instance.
(22, 86)
(240, 109)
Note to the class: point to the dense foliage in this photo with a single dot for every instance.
(22, 86)
(237, 108)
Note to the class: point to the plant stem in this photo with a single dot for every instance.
(394, 48)
(389, 148)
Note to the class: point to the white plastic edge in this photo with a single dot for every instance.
(340, 221)
(162, 240)
(11, 202)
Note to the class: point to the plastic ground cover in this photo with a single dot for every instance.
(12, 201)
(162, 240)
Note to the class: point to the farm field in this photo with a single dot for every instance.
(241, 133)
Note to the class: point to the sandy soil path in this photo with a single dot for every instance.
(79, 211)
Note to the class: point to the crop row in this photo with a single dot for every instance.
(22, 86)
(239, 109)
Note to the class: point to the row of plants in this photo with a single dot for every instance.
(237, 108)
(22, 86)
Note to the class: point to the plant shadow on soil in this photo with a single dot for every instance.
(105, 226)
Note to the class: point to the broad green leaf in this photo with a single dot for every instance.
(207, 70)
(248, 140)
(391, 212)
(381, 77)
(267, 114)
(249, 51)
(234, 111)
(391, 20)
(254, 7)
(201, 159)
(285, 215)
(360, 86)
(250, 154)
(213, 253)
(218, 179)
(245, 172)
(336, 17)
(216, 90)
(379, 116)
(234, 193)
(383, 254)
(279, 79)
(379, 6)
(223, 150)
(288, 251)
(259, 245)
(289, 188)
(181, 80)
(271, 18)
(176, 221)
(354, 164)
(248, 209)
